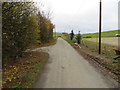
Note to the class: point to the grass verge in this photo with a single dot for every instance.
(109, 67)
(23, 72)
(104, 62)
(106, 49)
(69, 41)
(107, 55)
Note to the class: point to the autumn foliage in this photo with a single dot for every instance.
(22, 25)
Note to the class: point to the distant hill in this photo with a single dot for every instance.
(104, 34)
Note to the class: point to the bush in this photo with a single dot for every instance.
(20, 28)
(117, 35)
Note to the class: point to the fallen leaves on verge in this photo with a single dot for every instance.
(23, 72)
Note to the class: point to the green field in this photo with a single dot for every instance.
(57, 34)
(104, 34)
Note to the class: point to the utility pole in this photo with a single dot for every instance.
(100, 26)
(55, 32)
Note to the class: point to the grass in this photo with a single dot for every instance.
(62, 35)
(23, 73)
(107, 50)
(104, 34)
(69, 41)
(107, 55)
(66, 38)
(105, 58)
(57, 34)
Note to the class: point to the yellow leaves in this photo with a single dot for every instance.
(14, 77)
(24, 72)
(9, 78)
(9, 74)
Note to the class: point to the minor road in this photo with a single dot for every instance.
(67, 69)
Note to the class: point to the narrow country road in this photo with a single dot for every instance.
(67, 69)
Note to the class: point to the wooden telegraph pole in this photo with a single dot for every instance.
(100, 26)
(55, 32)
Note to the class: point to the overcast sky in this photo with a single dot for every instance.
(82, 15)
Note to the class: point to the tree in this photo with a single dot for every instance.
(71, 35)
(19, 28)
(46, 28)
(22, 25)
(78, 38)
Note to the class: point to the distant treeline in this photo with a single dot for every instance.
(22, 25)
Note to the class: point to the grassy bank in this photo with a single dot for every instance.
(106, 49)
(105, 61)
(104, 34)
(23, 72)
(69, 41)
(107, 54)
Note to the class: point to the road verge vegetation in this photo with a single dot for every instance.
(106, 49)
(69, 41)
(104, 62)
(24, 26)
(23, 74)
(50, 42)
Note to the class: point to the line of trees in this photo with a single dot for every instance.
(72, 35)
(23, 25)
(77, 37)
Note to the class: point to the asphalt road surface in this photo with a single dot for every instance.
(67, 69)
